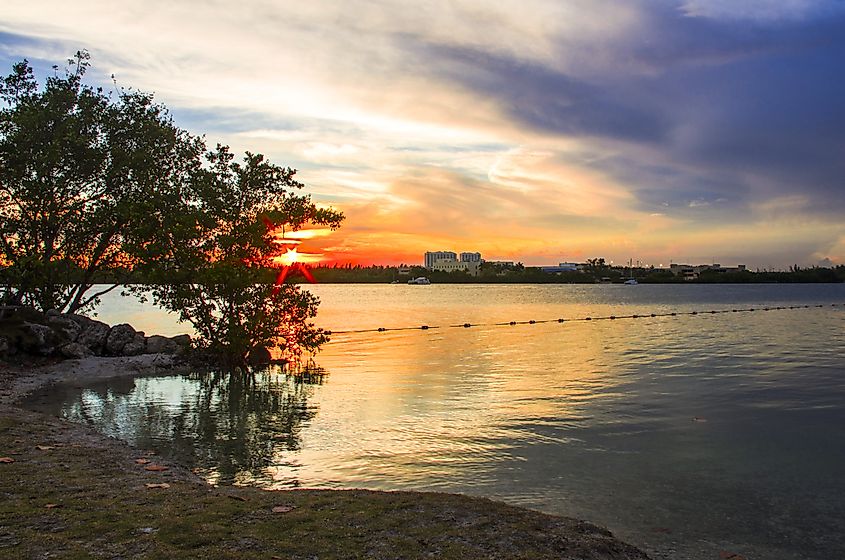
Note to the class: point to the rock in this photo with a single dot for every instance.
(66, 324)
(75, 350)
(81, 320)
(182, 340)
(136, 346)
(39, 339)
(157, 344)
(259, 356)
(93, 333)
(118, 337)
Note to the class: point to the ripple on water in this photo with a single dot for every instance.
(711, 425)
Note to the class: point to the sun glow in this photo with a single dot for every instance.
(291, 256)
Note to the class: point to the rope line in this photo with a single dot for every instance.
(580, 319)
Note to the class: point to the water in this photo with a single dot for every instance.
(685, 435)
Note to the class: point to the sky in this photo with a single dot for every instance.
(538, 131)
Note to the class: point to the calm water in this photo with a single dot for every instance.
(685, 435)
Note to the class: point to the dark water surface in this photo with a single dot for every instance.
(685, 435)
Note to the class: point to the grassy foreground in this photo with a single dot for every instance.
(67, 492)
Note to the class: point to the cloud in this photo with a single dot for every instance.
(760, 10)
(527, 129)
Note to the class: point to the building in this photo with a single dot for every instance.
(692, 272)
(432, 256)
(453, 265)
(563, 267)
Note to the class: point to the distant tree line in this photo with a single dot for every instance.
(491, 273)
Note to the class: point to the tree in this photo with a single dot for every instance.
(80, 172)
(215, 272)
(93, 181)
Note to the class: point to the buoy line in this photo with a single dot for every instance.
(582, 319)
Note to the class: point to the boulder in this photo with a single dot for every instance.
(136, 346)
(182, 340)
(118, 337)
(66, 325)
(39, 339)
(75, 350)
(80, 320)
(93, 333)
(157, 344)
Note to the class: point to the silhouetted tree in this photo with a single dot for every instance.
(92, 181)
(213, 272)
(81, 170)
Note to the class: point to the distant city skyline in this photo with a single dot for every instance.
(535, 131)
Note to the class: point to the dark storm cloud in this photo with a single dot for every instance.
(541, 97)
(715, 113)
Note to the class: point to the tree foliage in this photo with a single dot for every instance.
(96, 183)
(218, 281)
(80, 170)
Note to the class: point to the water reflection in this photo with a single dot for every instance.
(231, 427)
(588, 419)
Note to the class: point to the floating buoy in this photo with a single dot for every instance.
(562, 320)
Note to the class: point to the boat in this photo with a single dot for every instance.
(421, 281)
(631, 281)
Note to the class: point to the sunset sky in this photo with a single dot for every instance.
(533, 130)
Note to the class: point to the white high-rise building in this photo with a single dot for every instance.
(432, 256)
(470, 257)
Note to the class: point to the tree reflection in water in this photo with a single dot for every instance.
(231, 427)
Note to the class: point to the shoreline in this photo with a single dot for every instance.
(99, 495)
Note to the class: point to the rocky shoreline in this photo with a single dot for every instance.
(25, 331)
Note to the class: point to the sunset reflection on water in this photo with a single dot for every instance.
(681, 421)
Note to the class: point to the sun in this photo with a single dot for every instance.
(290, 257)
